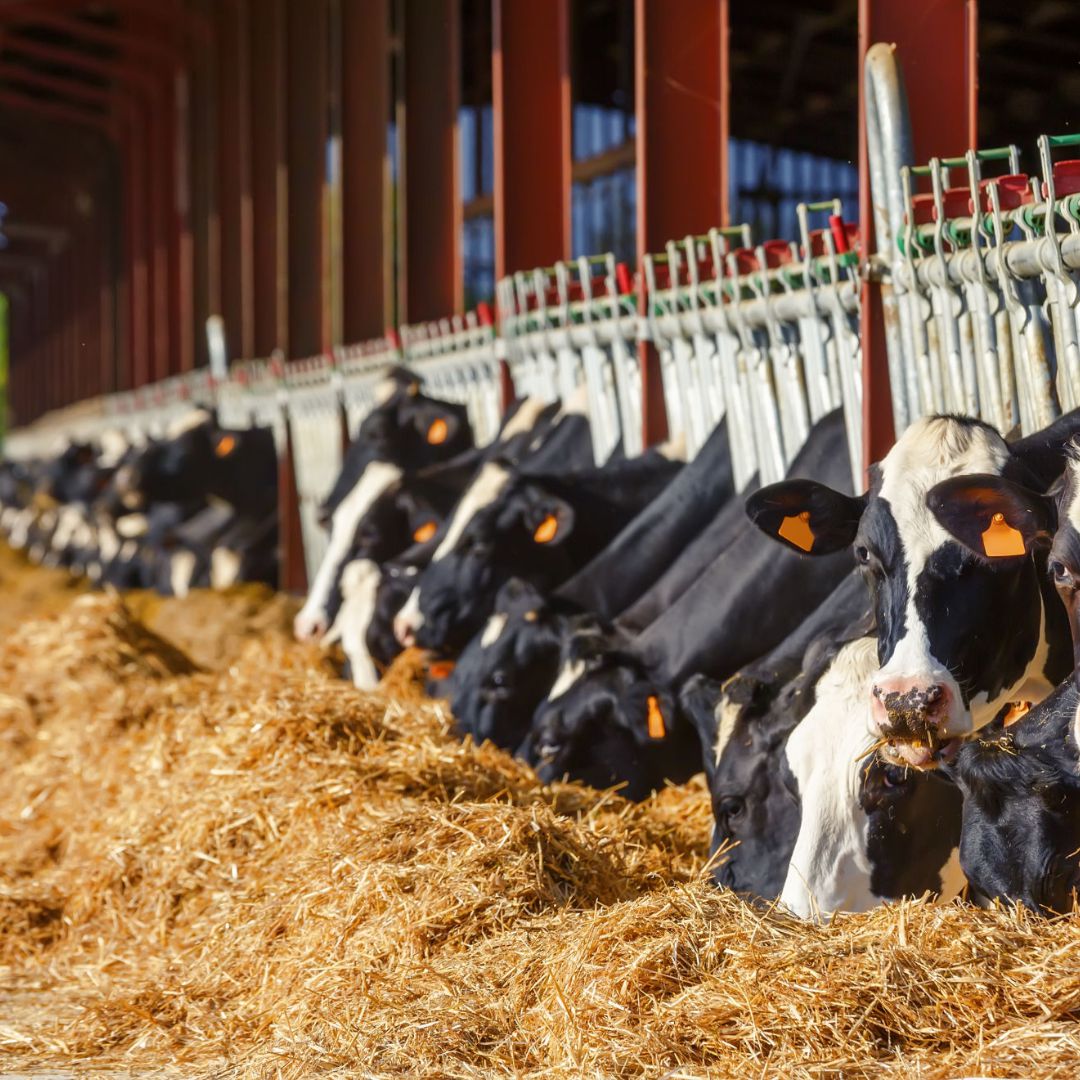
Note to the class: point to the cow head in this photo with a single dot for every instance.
(605, 722)
(406, 428)
(755, 814)
(1021, 787)
(995, 518)
(505, 671)
(956, 635)
(868, 830)
(504, 522)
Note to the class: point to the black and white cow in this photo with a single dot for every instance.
(958, 636)
(405, 432)
(745, 602)
(1021, 782)
(515, 521)
(504, 673)
(743, 725)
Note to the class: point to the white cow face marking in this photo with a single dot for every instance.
(224, 568)
(493, 630)
(181, 571)
(360, 582)
(572, 671)
(313, 619)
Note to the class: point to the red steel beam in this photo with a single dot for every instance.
(680, 81)
(432, 266)
(936, 42)
(532, 133)
(308, 106)
(234, 173)
(365, 110)
(269, 174)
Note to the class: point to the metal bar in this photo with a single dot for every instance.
(940, 101)
(432, 265)
(530, 66)
(234, 171)
(269, 175)
(309, 292)
(680, 75)
(365, 92)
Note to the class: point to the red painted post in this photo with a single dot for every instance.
(365, 110)
(431, 268)
(530, 67)
(309, 293)
(234, 171)
(269, 173)
(936, 46)
(680, 78)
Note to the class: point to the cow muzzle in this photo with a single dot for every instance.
(310, 626)
(914, 719)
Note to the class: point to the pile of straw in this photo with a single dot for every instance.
(259, 871)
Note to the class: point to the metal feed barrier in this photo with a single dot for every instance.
(982, 272)
(765, 336)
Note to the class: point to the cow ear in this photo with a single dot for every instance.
(808, 517)
(698, 701)
(549, 520)
(991, 516)
(437, 425)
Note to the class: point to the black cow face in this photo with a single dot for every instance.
(957, 635)
(504, 524)
(755, 813)
(1021, 817)
(611, 725)
(506, 671)
(407, 429)
(994, 518)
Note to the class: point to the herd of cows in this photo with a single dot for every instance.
(880, 687)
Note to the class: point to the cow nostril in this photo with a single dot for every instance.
(933, 693)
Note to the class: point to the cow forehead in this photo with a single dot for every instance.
(931, 450)
(188, 422)
(1072, 487)
(482, 492)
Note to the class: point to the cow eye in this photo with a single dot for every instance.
(732, 805)
(862, 554)
(499, 679)
(1059, 570)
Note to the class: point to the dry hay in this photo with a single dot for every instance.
(259, 871)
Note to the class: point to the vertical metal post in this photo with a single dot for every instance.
(269, 177)
(234, 156)
(530, 67)
(680, 80)
(431, 259)
(309, 293)
(938, 57)
(365, 113)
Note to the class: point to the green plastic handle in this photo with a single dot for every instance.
(1063, 140)
(827, 204)
(996, 153)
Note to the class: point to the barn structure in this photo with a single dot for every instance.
(191, 183)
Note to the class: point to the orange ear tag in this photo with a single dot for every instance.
(796, 530)
(1001, 540)
(438, 431)
(546, 530)
(225, 446)
(425, 532)
(1017, 710)
(530, 616)
(657, 730)
(440, 669)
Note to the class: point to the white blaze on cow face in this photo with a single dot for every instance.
(181, 571)
(830, 869)
(482, 492)
(224, 568)
(359, 589)
(131, 526)
(493, 630)
(313, 619)
(571, 672)
(528, 412)
(930, 451)
(187, 422)
(727, 716)
(114, 445)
